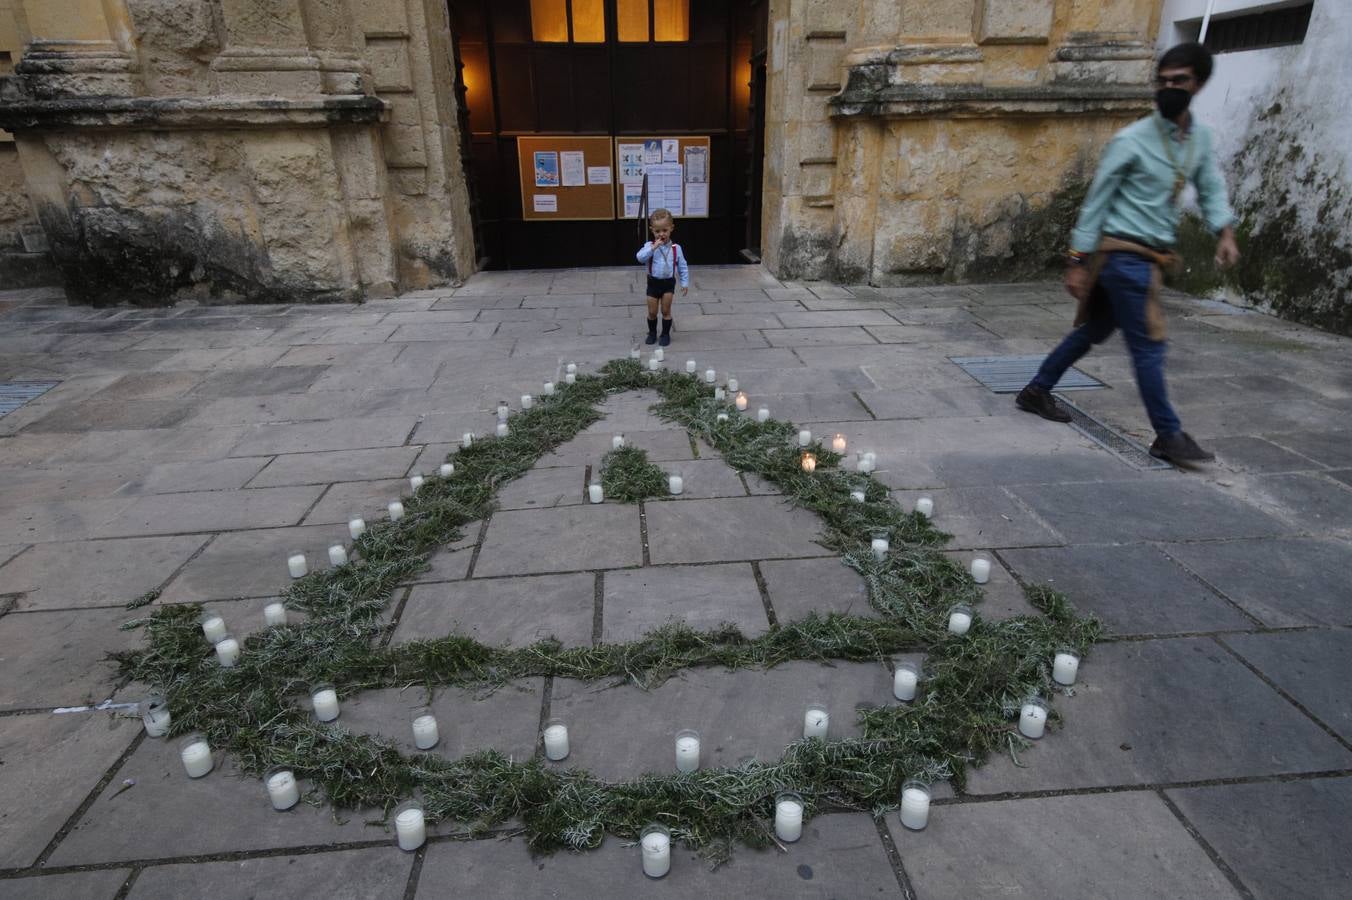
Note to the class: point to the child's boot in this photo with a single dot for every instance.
(652, 332)
(666, 332)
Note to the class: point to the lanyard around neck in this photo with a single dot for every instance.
(1180, 170)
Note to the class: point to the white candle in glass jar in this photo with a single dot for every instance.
(416, 482)
(195, 754)
(282, 789)
(425, 732)
(396, 511)
(659, 354)
(691, 366)
(880, 546)
(804, 437)
(959, 621)
(1065, 666)
(740, 402)
(570, 378)
(467, 439)
(915, 805)
(838, 443)
(732, 385)
(809, 463)
(905, 680)
(656, 844)
(788, 818)
(925, 506)
(527, 401)
(571, 369)
(556, 740)
(634, 352)
(227, 652)
(981, 570)
(410, 827)
(503, 410)
(356, 528)
(617, 442)
(502, 429)
(296, 565)
(721, 417)
(687, 751)
(710, 376)
(857, 496)
(337, 555)
(446, 470)
(274, 614)
(720, 394)
(654, 364)
(155, 716)
(763, 414)
(675, 484)
(549, 389)
(594, 492)
(325, 700)
(213, 627)
(1033, 719)
(815, 722)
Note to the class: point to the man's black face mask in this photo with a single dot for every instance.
(1172, 102)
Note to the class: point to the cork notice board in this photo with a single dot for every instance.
(678, 175)
(566, 178)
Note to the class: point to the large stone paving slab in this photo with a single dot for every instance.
(800, 586)
(564, 539)
(1332, 448)
(95, 573)
(1125, 846)
(377, 873)
(735, 528)
(342, 465)
(168, 814)
(587, 449)
(1309, 502)
(1283, 839)
(838, 856)
(982, 517)
(1167, 509)
(511, 611)
(506, 719)
(703, 597)
(1134, 589)
(705, 479)
(51, 763)
(621, 732)
(1313, 666)
(1290, 582)
(545, 488)
(1165, 711)
(251, 563)
(212, 511)
(335, 434)
(57, 658)
(368, 499)
(98, 885)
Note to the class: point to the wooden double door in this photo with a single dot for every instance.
(523, 70)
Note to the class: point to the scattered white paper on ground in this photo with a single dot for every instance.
(696, 198)
(574, 165)
(546, 202)
(671, 150)
(598, 174)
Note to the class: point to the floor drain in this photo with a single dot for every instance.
(14, 394)
(1110, 439)
(1008, 374)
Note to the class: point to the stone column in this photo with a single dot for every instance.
(77, 47)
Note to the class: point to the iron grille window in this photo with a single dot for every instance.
(1255, 31)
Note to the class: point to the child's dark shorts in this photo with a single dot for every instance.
(659, 286)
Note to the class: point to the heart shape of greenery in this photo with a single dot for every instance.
(972, 688)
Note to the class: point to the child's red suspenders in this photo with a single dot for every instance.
(675, 249)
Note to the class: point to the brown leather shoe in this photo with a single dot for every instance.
(1179, 449)
(1040, 401)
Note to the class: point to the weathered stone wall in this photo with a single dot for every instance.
(233, 150)
(22, 260)
(941, 140)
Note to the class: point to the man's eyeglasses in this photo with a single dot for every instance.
(1171, 81)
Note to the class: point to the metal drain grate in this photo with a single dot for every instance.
(1121, 446)
(1008, 374)
(14, 394)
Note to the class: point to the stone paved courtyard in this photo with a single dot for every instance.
(1207, 750)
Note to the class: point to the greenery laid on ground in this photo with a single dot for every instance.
(970, 694)
(628, 476)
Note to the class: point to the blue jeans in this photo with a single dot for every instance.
(1125, 279)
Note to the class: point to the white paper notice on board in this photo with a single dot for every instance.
(574, 166)
(665, 188)
(696, 198)
(598, 174)
(631, 163)
(545, 202)
(633, 199)
(671, 150)
(696, 164)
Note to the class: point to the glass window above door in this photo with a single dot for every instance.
(641, 21)
(561, 21)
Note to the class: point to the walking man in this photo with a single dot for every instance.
(1125, 236)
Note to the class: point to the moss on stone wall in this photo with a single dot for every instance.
(1028, 244)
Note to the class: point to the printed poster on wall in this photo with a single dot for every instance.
(633, 199)
(546, 168)
(696, 198)
(574, 164)
(631, 163)
(666, 189)
(652, 152)
(671, 150)
(696, 165)
(545, 203)
(598, 174)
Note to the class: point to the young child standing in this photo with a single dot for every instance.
(666, 266)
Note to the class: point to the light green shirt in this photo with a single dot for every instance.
(1132, 195)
